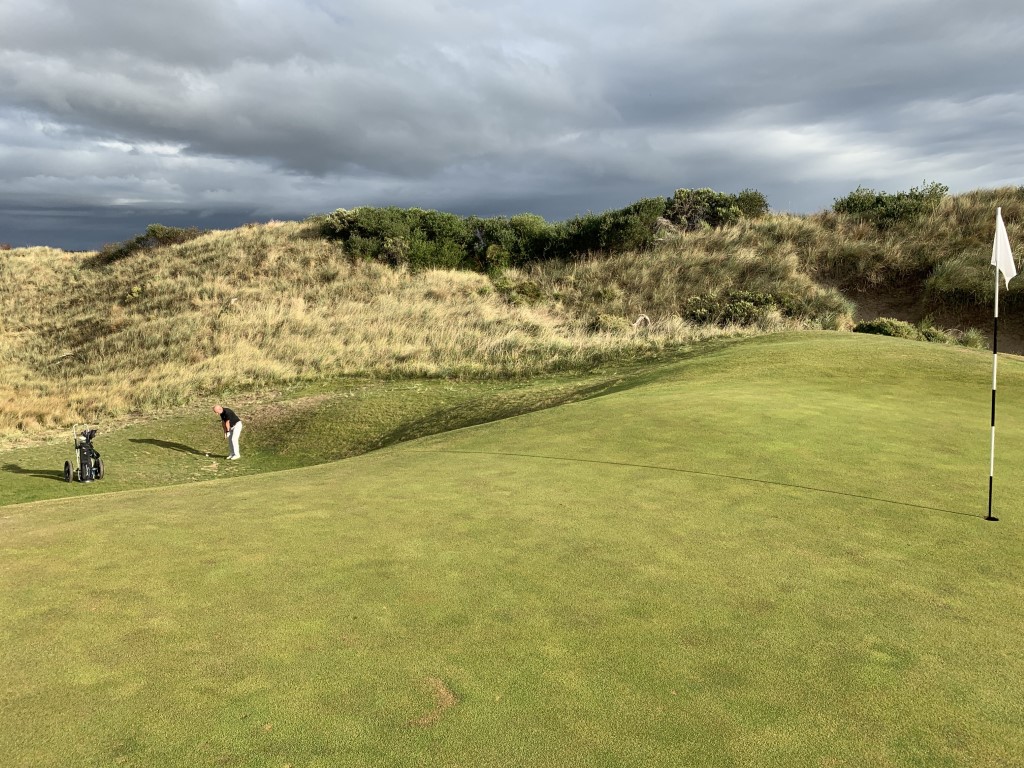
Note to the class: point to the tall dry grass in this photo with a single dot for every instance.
(942, 258)
(264, 306)
(705, 263)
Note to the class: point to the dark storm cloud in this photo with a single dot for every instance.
(257, 108)
(861, 63)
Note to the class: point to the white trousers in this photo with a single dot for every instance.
(232, 436)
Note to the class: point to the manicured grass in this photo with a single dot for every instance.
(585, 585)
(297, 428)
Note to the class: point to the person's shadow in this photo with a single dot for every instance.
(168, 445)
(46, 474)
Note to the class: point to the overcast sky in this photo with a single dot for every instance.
(114, 115)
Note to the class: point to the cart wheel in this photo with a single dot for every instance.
(68, 474)
(99, 469)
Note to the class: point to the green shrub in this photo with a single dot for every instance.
(752, 204)
(886, 210)
(737, 308)
(391, 249)
(694, 209)
(741, 312)
(930, 333)
(925, 330)
(533, 237)
(703, 310)
(496, 260)
(889, 326)
(632, 228)
(860, 202)
(423, 239)
(501, 242)
(336, 225)
(401, 236)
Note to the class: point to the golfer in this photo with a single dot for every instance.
(232, 429)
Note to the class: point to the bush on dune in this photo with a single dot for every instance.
(886, 210)
(431, 239)
(923, 331)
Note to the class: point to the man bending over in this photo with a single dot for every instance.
(232, 429)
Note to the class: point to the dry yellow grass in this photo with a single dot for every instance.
(709, 262)
(267, 305)
(263, 306)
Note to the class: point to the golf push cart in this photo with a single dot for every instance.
(86, 464)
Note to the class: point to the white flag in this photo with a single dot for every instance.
(1002, 258)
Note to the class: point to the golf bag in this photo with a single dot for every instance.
(86, 464)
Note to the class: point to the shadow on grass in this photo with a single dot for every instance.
(484, 410)
(179, 447)
(707, 474)
(46, 474)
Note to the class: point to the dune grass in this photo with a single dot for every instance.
(85, 337)
(259, 308)
(770, 555)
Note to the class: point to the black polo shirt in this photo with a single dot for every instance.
(229, 416)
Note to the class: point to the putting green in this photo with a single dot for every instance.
(768, 555)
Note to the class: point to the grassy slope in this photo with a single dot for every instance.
(300, 427)
(935, 267)
(269, 306)
(260, 308)
(578, 612)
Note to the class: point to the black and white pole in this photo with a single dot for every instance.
(1002, 258)
(995, 364)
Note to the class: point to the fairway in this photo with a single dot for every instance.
(771, 554)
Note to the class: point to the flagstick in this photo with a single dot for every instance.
(995, 360)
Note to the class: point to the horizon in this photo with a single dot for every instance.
(128, 222)
(233, 220)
